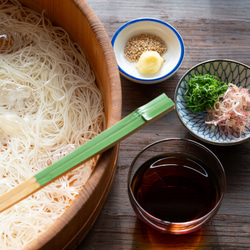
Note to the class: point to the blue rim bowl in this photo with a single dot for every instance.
(228, 71)
(173, 57)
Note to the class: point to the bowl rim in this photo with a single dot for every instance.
(78, 219)
(154, 20)
(160, 221)
(176, 109)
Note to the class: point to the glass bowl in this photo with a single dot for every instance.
(176, 185)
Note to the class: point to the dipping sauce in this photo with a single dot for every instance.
(175, 188)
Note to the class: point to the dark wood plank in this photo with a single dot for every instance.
(210, 29)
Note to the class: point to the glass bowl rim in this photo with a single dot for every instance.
(164, 222)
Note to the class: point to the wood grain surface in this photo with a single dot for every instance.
(211, 29)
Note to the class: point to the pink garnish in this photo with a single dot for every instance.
(232, 113)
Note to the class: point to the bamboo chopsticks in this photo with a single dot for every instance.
(141, 117)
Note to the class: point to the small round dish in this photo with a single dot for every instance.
(228, 71)
(173, 57)
(176, 185)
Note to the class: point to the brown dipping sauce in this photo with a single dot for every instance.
(175, 188)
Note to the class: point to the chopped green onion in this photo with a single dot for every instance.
(203, 92)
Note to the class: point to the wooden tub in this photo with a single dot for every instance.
(85, 28)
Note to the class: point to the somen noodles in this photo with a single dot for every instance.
(49, 105)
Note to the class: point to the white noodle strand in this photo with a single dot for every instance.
(49, 105)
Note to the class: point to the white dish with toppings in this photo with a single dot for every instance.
(173, 57)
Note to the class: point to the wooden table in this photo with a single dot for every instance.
(210, 29)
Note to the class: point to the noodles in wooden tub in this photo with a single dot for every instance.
(49, 105)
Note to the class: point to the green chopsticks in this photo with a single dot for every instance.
(141, 117)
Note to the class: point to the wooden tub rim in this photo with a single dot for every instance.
(46, 239)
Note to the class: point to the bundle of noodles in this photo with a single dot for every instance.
(49, 105)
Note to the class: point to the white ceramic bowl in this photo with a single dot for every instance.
(173, 57)
(227, 71)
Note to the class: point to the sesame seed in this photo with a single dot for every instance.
(136, 45)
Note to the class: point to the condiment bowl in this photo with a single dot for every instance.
(167, 33)
(228, 71)
(176, 185)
